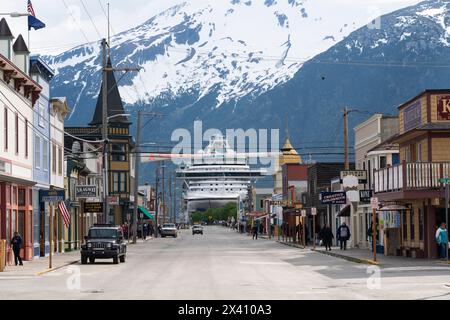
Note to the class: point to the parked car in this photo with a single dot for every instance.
(104, 241)
(197, 229)
(169, 229)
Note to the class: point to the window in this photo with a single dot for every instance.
(16, 135)
(419, 152)
(421, 224)
(382, 162)
(119, 182)
(41, 115)
(405, 226)
(53, 158)
(408, 154)
(45, 155)
(395, 159)
(412, 224)
(118, 152)
(26, 138)
(60, 161)
(37, 151)
(22, 197)
(5, 133)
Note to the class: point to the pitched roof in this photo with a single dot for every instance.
(114, 101)
(5, 32)
(20, 46)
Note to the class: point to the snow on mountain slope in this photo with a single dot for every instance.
(232, 48)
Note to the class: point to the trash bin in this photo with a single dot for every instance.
(2, 255)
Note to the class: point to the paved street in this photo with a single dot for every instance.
(223, 264)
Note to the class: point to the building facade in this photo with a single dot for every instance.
(19, 94)
(412, 188)
(372, 153)
(42, 74)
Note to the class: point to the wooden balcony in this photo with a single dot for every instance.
(419, 178)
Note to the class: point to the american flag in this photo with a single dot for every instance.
(30, 9)
(65, 213)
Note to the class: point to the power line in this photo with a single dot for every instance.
(90, 18)
(75, 21)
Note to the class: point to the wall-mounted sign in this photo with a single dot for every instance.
(303, 213)
(333, 198)
(93, 207)
(51, 195)
(114, 200)
(365, 195)
(443, 108)
(360, 174)
(85, 191)
(314, 211)
(412, 116)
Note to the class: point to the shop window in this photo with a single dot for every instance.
(21, 223)
(412, 224)
(421, 224)
(405, 227)
(14, 196)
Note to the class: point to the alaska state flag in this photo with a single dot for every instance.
(33, 22)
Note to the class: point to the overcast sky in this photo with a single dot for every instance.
(70, 26)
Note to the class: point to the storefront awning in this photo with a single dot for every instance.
(146, 213)
(345, 212)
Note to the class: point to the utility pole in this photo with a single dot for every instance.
(137, 161)
(346, 112)
(170, 198)
(175, 197)
(156, 201)
(105, 133)
(163, 200)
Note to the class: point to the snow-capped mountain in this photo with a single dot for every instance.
(374, 69)
(221, 50)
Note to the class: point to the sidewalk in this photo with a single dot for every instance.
(40, 266)
(365, 256)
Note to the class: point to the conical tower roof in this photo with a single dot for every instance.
(20, 46)
(114, 101)
(5, 31)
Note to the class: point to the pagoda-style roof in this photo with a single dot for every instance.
(114, 101)
(5, 31)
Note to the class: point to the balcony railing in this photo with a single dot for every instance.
(410, 176)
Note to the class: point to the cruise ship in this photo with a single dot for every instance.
(217, 175)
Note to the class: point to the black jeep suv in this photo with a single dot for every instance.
(104, 241)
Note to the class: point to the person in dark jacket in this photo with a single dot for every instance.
(255, 232)
(16, 243)
(327, 237)
(343, 235)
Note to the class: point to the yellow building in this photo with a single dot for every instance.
(288, 155)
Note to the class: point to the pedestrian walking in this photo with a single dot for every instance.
(16, 243)
(255, 232)
(327, 237)
(442, 240)
(343, 235)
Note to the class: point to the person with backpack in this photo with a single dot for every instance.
(343, 235)
(442, 240)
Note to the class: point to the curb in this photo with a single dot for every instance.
(40, 273)
(351, 259)
(292, 245)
